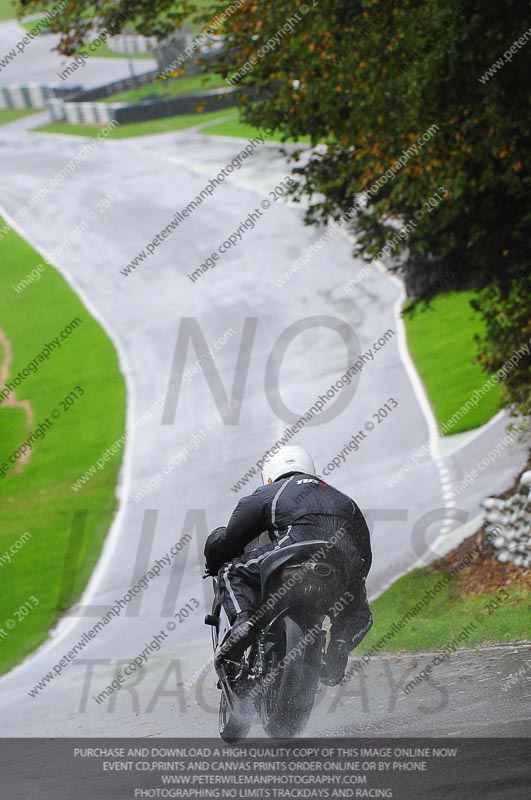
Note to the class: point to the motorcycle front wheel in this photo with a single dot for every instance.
(232, 726)
(292, 679)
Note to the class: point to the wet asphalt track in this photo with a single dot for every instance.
(156, 176)
(37, 62)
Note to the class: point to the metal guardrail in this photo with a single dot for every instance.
(82, 107)
(95, 113)
(508, 524)
(132, 44)
(32, 95)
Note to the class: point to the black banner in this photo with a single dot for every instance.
(404, 769)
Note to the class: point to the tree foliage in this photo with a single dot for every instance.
(369, 79)
(366, 79)
(508, 335)
(76, 20)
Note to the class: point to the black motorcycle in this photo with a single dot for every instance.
(277, 677)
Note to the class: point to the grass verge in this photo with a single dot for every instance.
(102, 51)
(163, 125)
(228, 126)
(164, 90)
(10, 115)
(37, 500)
(30, 25)
(428, 607)
(241, 130)
(7, 10)
(441, 341)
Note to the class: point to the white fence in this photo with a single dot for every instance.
(32, 95)
(83, 113)
(131, 44)
(509, 524)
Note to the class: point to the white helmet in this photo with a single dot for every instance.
(288, 459)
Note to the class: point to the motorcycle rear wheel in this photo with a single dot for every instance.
(286, 704)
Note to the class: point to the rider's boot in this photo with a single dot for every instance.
(238, 639)
(335, 663)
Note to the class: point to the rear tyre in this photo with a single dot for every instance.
(287, 702)
(232, 727)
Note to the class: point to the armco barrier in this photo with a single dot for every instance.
(83, 113)
(132, 44)
(182, 50)
(77, 113)
(214, 100)
(80, 108)
(114, 87)
(32, 95)
(123, 85)
(509, 524)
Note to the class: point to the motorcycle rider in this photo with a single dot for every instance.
(293, 505)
